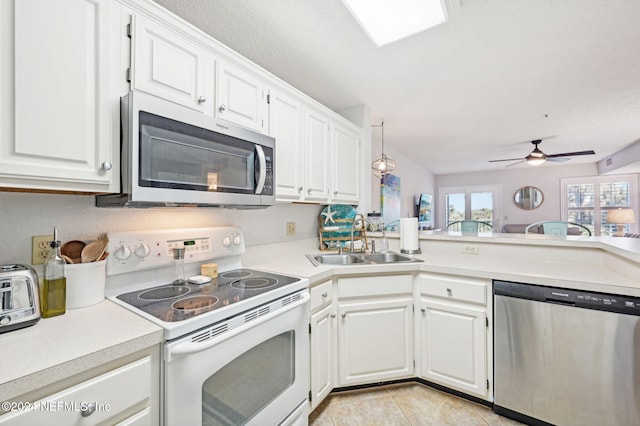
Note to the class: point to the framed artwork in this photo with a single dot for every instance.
(390, 202)
(425, 210)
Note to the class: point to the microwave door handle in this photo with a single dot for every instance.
(262, 169)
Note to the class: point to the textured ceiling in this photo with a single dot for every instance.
(499, 74)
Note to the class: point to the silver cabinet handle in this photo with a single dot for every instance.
(423, 310)
(309, 191)
(222, 107)
(299, 189)
(88, 410)
(106, 165)
(202, 100)
(324, 294)
(344, 315)
(333, 315)
(449, 291)
(335, 193)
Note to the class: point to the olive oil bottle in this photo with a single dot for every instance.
(53, 296)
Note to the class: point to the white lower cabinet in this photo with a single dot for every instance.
(323, 342)
(127, 395)
(375, 329)
(453, 332)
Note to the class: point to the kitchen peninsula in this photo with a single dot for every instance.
(604, 264)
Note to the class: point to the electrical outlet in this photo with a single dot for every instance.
(470, 249)
(40, 248)
(291, 229)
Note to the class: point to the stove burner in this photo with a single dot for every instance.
(195, 303)
(257, 283)
(240, 273)
(167, 292)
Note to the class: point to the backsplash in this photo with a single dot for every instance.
(27, 214)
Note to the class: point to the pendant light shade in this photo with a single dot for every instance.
(383, 165)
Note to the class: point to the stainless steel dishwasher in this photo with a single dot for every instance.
(566, 357)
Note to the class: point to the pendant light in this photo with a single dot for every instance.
(383, 165)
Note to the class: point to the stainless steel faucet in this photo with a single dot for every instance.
(358, 218)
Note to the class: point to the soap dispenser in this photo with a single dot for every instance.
(53, 295)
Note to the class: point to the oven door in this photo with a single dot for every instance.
(256, 373)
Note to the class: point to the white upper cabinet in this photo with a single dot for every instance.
(241, 97)
(286, 125)
(317, 154)
(56, 112)
(346, 165)
(172, 67)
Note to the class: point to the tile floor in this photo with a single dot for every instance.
(402, 404)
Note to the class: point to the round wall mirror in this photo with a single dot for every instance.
(528, 198)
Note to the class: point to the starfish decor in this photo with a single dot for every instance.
(328, 215)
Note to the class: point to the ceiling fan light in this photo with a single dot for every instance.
(535, 160)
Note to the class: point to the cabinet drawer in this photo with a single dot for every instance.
(374, 286)
(454, 288)
(112, 393)
(321, 295)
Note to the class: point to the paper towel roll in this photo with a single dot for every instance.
(409, 234)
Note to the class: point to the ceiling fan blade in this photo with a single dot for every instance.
(571, 154)
(508, 159)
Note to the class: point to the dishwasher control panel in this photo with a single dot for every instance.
(578, 298)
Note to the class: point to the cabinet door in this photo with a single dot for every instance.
(317, 140)
(375, 340)
(346, 165)
(241, 97)
(55, 104)
(172, 67)
(453, 346)
(322, 349)
(286, 125)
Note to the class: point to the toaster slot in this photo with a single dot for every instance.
(5, 295)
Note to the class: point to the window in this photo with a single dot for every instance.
(587, 200)
(470, 203)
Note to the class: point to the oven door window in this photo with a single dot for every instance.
(180, 156)
(243, 387)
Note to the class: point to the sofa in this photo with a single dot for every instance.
(520, 228)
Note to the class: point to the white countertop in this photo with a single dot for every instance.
(59, 347)
(587, 263)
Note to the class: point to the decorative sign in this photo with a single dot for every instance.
(390, 202)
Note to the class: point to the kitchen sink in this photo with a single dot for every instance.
(389, 257)
(358, 258)
(334, 259)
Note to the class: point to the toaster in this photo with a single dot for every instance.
(19, 297)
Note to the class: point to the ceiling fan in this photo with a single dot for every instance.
(537, 157)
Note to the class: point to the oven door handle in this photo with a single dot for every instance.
(187, 347)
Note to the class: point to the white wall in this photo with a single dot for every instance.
(414, 179)
(546, 178)
(25, 214)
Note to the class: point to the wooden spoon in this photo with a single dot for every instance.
(73, 250)
(92, 251)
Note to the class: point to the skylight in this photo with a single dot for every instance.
(386, 21)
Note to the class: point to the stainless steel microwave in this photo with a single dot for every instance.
(172, 155)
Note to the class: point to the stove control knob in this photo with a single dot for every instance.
(226, 241)
(122, 253)
(237, 240)
(142, 251)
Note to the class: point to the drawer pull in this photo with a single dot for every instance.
(88, 410)
(449, 292)
(423, 310)
(333, 315)
(344, 315)
(324, 294)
